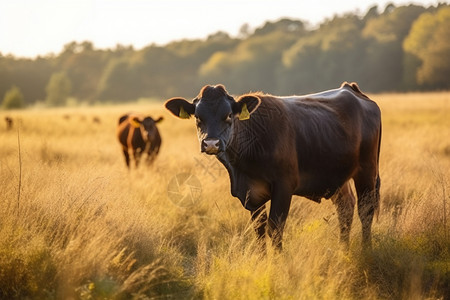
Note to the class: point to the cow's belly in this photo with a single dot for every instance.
(319, 186)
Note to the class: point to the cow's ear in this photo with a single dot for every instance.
(180, 107)
(246, 105)
(159, 119)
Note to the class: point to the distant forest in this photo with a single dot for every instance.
(394, 49)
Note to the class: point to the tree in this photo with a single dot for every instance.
(283, 57)
(385, 56)
(84, 65)
(13, 98)
(58, 89)
(118, 82)
(244, 31)
(255, 62)
(429, 44)
(326, 57)
(372, 13)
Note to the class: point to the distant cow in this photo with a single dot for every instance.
(96, 119)
(139, 134)
(9, 123)
(275, 147)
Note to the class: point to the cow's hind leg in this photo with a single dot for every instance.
(259, 220)
(345, 207)
(127, 157)
(368, 191)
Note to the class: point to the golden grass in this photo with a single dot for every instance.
(84, 227)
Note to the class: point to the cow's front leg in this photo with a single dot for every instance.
(259, 220)
(279, 209)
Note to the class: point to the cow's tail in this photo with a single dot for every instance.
(378, 180)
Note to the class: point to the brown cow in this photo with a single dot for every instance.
(96, 119)
(9, 123)
(275, 147)
(139, 134)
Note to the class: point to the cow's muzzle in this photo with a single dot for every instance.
(211, 146)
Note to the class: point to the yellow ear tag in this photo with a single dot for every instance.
(183, 114)
(135, 123)
(244, 115)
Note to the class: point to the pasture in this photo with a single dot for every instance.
(76, 224)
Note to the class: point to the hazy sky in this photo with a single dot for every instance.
(37, 27)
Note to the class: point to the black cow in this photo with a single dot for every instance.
(276, 147)
(139, 134)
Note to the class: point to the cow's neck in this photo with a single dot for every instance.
(238, 180)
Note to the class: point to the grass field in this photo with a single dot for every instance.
(75, 224)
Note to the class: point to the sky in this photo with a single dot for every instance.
(29, 28)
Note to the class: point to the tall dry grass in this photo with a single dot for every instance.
(75, 224)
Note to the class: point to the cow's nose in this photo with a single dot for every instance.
(210, 146)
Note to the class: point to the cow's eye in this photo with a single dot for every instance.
(228, 119)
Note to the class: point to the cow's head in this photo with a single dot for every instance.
(215, 112)
(148, 124)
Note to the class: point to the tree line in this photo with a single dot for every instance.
(405, 48)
